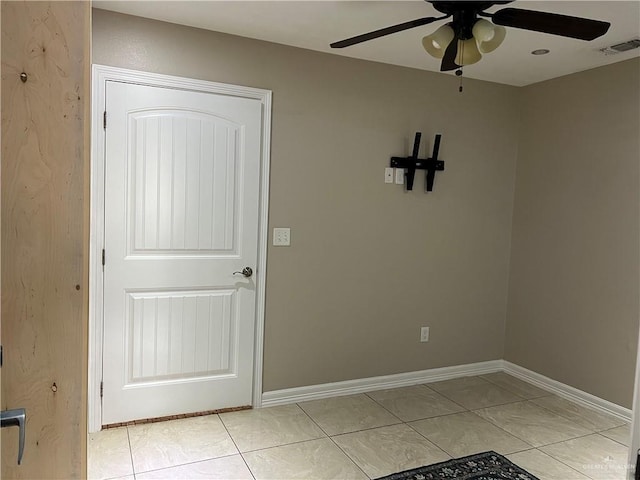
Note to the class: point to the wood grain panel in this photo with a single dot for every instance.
(45, 167)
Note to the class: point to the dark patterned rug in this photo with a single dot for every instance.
(481, 466)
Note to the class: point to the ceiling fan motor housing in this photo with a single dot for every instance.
(465, 14)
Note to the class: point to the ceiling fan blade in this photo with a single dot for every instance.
(386, 31)
(449, 58)
(553, 23)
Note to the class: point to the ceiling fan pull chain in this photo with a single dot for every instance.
(459, 71)
(459, 74)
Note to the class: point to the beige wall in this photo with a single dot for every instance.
(369, 264)
(573, 290)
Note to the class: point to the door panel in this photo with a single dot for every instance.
(178, 335)
(181, 216)
(179, 193)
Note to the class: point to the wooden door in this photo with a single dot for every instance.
(45, 219)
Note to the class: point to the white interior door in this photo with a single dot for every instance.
(181, 216)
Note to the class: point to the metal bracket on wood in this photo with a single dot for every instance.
(413, 163)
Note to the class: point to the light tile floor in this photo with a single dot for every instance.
(372, 435)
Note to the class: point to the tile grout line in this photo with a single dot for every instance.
(133, 467)
(431, 442)
(564, 441)
(191, 462)
(612, 439)
(237, 448)
(533, 446)
(445, 397)
(488, 382)
(185, 464)
(333, 441)
(367, 429)
(559, 461)
(530, 400)
(359, 430)
(349, 457)
(296, 442)
(551, 394)
(503, 429)
(284, 444)
(548, 393)
(402, 422)
(438, 416)
(182, 464)
(418, 419)
(577, 438)
(312, 420)
(378, 403)
(595, 430)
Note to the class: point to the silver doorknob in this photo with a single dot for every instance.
(246, 271)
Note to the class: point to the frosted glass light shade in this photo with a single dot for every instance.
(436, 43)
(487, 35)
(467, 52)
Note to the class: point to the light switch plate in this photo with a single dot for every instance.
(281, 237)
(424, 334)
(388, 175)
(400, 176)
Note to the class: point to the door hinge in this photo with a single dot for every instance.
(101, 388)
(103, 257)
(104, 120)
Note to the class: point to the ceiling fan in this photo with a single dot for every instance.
(463, 40)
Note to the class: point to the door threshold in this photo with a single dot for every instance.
(176, 417)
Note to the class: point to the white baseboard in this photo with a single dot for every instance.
(351, 387)
(363, 385)
(568, 392)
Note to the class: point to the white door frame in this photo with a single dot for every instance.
(100, 75)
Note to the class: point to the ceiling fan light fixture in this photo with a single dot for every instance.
(436, 43)
(468, 52)
(488, 36)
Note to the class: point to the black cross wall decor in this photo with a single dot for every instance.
(413, 163)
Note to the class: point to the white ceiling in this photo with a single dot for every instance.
(315, 24)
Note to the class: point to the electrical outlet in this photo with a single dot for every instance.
(282, 237)
(388, 175)
(424, 334)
